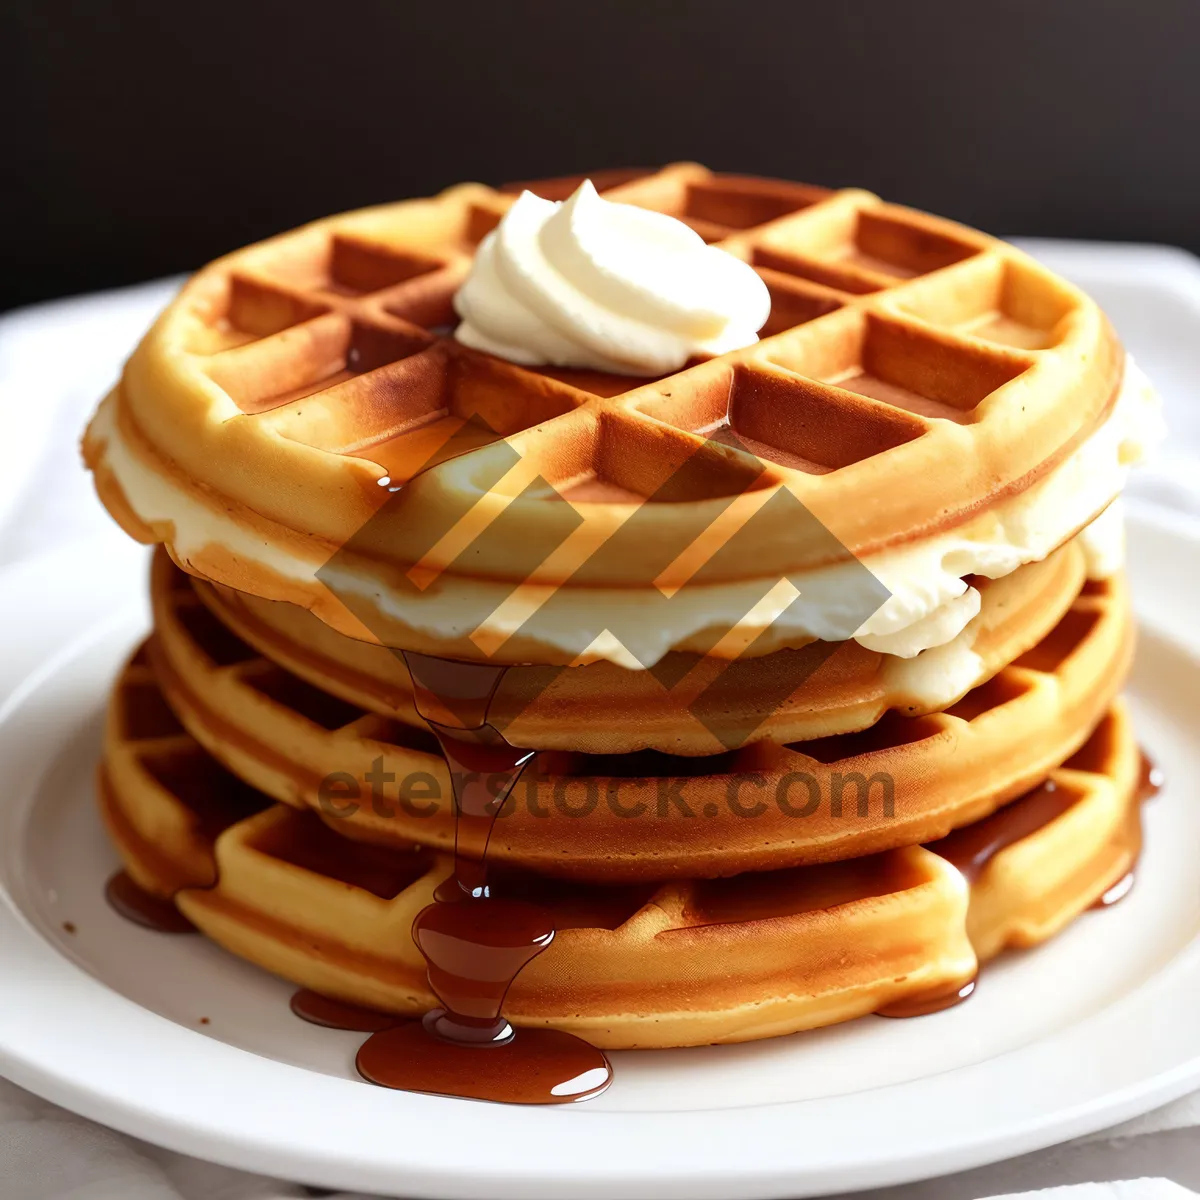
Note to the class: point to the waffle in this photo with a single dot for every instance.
(253, 428)
(651, 815)
(653, 965)
(606, 709)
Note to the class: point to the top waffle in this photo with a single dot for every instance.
(914, 377)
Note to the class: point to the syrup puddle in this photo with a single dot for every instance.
(136, 904)
(329, 1013)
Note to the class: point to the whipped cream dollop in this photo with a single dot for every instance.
(590, 283)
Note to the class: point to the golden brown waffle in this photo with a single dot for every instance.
(603, 708)
(166, 842)
(685, 963)
(651, 815)
(254, 425)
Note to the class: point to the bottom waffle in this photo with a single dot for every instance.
(631, 966)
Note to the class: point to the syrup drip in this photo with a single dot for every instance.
(1150, 779)
(930, 1002)
(973, 847)
(475, 942)
(329, 1013)
(1117, 892)
(136, 904)
(1150, 783)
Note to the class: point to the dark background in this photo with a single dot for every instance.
(141, 139)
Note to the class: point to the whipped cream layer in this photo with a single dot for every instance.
(590, 283)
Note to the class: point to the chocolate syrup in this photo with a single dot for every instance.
(476, 942)
(140, 906)
(329, 1013)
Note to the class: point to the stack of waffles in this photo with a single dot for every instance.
(819, 643)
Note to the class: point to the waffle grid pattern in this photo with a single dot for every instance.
(891, 330)
(878, 359)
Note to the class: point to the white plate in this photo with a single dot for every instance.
(1152, 295)
(47, 392)
(1095, 1028)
